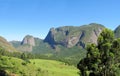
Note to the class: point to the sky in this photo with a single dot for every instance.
(35, 17)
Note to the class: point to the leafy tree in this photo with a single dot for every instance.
(24, 56)
(101, 59)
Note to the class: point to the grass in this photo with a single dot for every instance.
(55, 68)
(36, 67)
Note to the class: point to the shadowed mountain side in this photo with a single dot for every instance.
(117, 32)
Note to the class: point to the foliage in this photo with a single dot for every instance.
(102, 59)
(35, 67)
(71, 58)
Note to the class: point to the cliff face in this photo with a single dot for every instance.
(61, 38)
(28, 40)
(27, 44)
(50, 37)
(70, 36)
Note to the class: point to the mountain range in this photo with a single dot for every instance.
(66, 41)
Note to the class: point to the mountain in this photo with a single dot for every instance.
(15, 43)
(61, 37)
(70, 36)
(26, 44)
(65, 43)
(31, 44)
(6, 45)
(117, 32)
(28, 40)
(66, 36)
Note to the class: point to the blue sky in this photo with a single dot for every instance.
(35, 17)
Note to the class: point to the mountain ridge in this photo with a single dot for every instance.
(69, 36)
(64, 36)
(6, 45)
(70, 40)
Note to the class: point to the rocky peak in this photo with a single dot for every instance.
(28, 40)
(50, 37)
(70, 36)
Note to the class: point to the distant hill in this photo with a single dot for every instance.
(6, 45)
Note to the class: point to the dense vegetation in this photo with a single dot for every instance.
(11, 66)
(27, 64)
(102, 59)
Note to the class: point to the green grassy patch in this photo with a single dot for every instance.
(36, 67)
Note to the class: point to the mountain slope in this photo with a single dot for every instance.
(25, 45)
(6, 45)
(32, 44)
(70, 36)
(60, 39)
(15, 43)
(117, 32)
(65, 43)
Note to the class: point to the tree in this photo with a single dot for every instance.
(24, 56)
(101, 59)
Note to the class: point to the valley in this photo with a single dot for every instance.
(56, 55)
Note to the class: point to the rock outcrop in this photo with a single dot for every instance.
(27, 43)
(28, 40)
(70, 36)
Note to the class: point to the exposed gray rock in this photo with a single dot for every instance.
(70, 36)
(72, 41)
(94, 35)
(28, 40)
